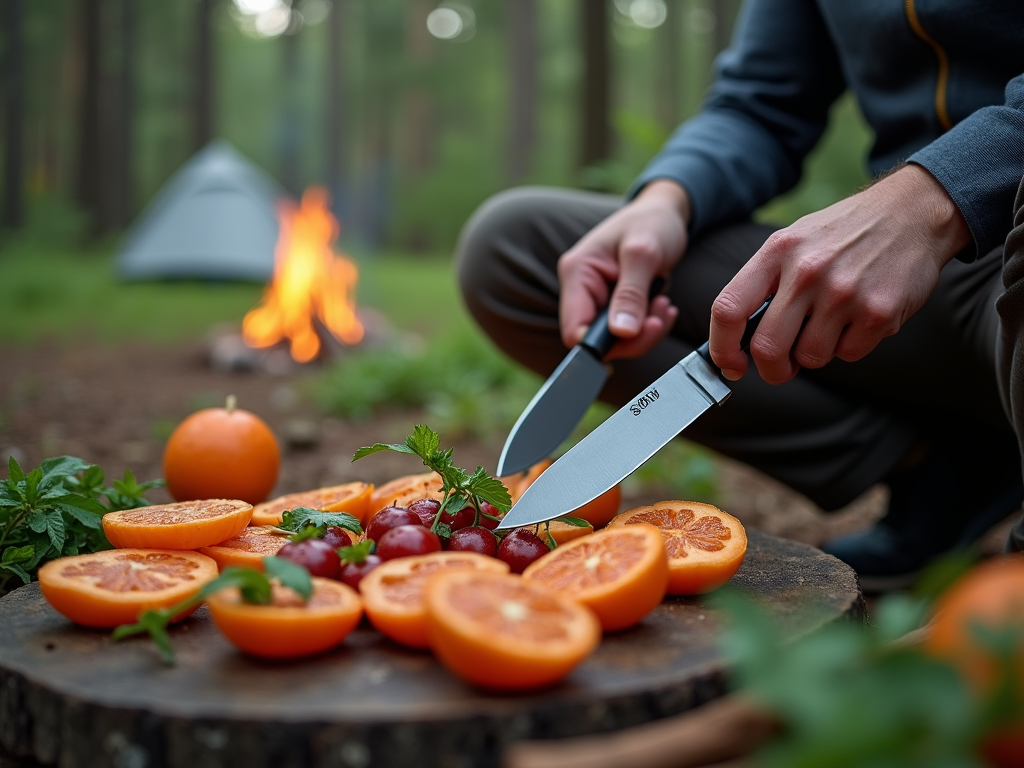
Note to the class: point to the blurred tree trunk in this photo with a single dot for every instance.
(725, 18)
(418, 103)
(203, 94)
(123, 203)
(93, 180)
(595, 133)
(291, 115)
(523, 91)
(13, 71)
(335, 157)
(669, 42)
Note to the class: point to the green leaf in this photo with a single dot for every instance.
(296, 519)
(16, 555)
(443, 530)
(18, 571)
(61, 468)
(56, 530)
(14, 471)
(356, 553)
(575, 521)
(378, 447)
(423, 441)
(489, 489)
(290, 574)
(308, 532)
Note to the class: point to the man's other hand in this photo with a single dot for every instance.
(844, 278)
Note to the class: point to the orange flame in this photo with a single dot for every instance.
(309, 281)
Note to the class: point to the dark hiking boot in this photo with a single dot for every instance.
(944, 504)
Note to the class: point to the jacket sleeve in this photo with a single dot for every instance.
(980, 162)
(767, 108)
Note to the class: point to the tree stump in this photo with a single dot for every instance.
(71, 697)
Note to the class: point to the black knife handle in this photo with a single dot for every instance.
(599, 339)
(748, 333)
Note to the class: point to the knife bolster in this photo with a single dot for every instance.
(706, 378)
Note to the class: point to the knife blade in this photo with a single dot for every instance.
(628, 438)
(563, 399)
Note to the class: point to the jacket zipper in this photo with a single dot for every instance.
(943, 79)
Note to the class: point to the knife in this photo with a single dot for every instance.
(562, 401)
(629, 437)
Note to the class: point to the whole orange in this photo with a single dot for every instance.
(222, 453)
(990, 596)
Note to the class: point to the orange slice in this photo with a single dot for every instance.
(705, 545)
(288, 628)
(353, 498)
(520, 481)
(503, 632)
(107, 589)
(247, 548)
(393, 591)
(402, 490)
(182, 525)
(619, 573)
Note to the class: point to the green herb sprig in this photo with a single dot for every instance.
(56, 510)
(459, 487)
(255, 588)
(298, 519)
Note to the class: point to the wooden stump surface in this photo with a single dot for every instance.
(71, 697)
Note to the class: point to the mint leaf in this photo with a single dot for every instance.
(378, 447)
(296, 519)
(356, 553)
(489, 489)
(14, 471)
(423, 441)
(290, 574)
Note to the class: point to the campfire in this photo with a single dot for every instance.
(312, 292)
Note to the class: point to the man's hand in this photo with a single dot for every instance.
(844, 278)
(643, 239)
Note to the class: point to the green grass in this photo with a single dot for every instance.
(67, 295)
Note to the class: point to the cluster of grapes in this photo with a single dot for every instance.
(405, 531)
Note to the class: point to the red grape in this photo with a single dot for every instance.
(352, 573)
(461, 519)
(493, 511)
(388, 518)
(407, 540)
(315, 555)
(337, 536)
(474, 539)
(426, 509)
(520, 548)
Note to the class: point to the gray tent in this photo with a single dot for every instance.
(216, 219)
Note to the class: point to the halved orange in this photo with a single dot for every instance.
(110, 588)
(502, 632)
(520, 481)
(182, 525)
(288, 628)
(393, 591)
(619, 573)
(561, 532)
(247, 548)
(402, 490)
(353, 498)
(705, 545)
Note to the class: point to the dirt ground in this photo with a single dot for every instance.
(115, 406)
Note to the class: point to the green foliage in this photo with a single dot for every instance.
(854, 697)
(56, 510)
(255, 587)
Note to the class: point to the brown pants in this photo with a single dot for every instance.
(1010, 352)
(831, 433)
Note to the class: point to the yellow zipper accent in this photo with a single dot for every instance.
(943, 80)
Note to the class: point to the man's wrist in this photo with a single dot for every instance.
(939, 213)
(670, 193)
